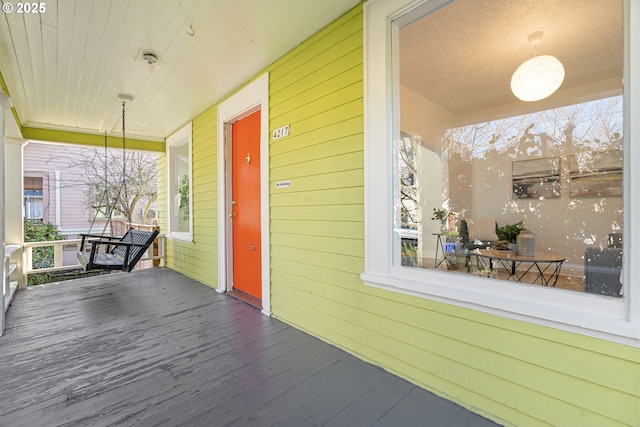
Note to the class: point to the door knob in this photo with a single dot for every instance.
(232, 215)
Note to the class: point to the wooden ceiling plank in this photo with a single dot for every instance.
(97, 40)
(227, 31)
(182, 50)
(118, 53)
(166, 22)
(78, 66)
(50, 67)
(103, 87)
(239, 58)
(125, 62)
(98, 57)
(20, 46)
(10, 67)
(66, 14)
(49, 29)
(35, 39)
(50, 16)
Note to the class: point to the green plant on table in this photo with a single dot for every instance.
(509, 232)
(440, 215)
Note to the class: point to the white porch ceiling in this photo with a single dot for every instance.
(64, 68)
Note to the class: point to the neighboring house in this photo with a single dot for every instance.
(55, 191)
(47, 194)
(310, 181)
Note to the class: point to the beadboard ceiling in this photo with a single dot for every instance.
(65, 68)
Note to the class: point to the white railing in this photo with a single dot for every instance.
(10, 285)
(157, 248)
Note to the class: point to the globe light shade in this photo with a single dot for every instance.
(537, 78)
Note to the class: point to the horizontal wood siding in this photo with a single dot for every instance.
(513, 372)
(43, 160)
(199, 260)
(317, 224)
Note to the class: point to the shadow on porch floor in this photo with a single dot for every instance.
(155, 348)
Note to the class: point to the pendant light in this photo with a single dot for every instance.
(538, 77)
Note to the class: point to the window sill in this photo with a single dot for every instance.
(590, 315)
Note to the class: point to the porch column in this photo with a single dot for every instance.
(13, 202)
(11, 143)
(4, 100)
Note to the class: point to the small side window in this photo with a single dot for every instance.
(179, 185)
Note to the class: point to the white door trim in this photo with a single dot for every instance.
(252, 97)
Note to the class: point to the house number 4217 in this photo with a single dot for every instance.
(281, 132)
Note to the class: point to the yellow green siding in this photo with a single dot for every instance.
(199, 259)
(513, 372)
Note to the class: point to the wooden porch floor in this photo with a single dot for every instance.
(154, 348)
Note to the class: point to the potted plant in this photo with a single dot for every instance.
(509, 232)
(441, 215)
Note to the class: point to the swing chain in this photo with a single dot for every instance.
(105, 192)
(124, 164)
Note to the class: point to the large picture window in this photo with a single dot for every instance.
(179, 185)
(518, 207)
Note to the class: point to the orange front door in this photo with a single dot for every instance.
(245, 192)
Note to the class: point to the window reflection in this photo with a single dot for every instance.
(475, 167)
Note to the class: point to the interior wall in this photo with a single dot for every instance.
(423, 118)
(459, 181)
(482, 188)
(431, 197)
(564, 225)
(420, 116)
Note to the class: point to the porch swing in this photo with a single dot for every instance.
(109, 252)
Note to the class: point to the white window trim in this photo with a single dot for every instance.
(184, 132)
(613, 319)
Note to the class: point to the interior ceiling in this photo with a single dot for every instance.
(462, 56)
(65, 68)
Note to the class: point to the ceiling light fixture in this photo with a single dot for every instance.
(538, 77)
(151, 60)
